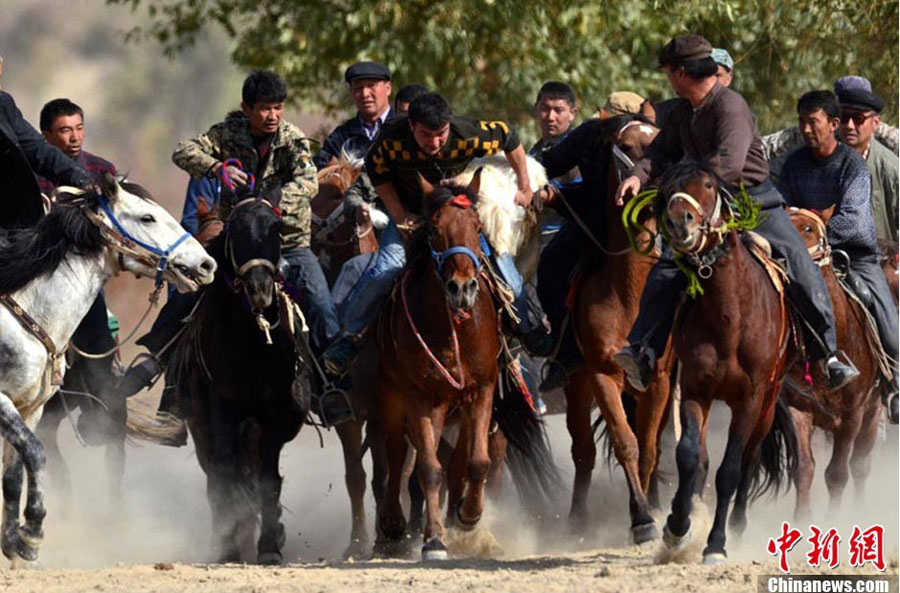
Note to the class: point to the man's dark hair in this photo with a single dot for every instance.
(58, 108)
(409, 93)
(815, 100)
(431, 110)
(263, 86)
(699, 69)
(555, 89)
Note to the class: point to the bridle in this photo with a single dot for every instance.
(258, 262)
(821, 251)
(709, 232)
(623, 162)
(441, 257)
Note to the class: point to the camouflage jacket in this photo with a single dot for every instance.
(288, 167)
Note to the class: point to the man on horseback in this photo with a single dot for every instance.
(62, 125)
(276, 155)
(434, 144)
(712, 119)
(827, 173)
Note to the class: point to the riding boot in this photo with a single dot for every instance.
(332, 404)
(567, 360)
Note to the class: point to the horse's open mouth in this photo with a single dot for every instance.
(185, 278)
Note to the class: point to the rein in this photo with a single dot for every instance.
(258, 262)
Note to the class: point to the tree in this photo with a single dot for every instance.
(490, 56)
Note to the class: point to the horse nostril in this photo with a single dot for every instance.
(472, 286)
(452, 287)
(208, 266)
(688, 218)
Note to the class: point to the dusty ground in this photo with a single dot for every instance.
(156, 537)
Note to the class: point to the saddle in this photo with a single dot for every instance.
(761, 249)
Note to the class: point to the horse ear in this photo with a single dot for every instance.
(427, 188)
(475, 184)
(648, 111)
(827, 213)
(109, 187)
(603, 114)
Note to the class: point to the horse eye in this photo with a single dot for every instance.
(808, 229)
(148, 219)
(708, 185)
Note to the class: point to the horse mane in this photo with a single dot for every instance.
(28, 253)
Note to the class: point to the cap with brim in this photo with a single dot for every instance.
(722, 58)
(860, 99)
(367, 70)
(845, 83)
(622, 102)
(685, 48)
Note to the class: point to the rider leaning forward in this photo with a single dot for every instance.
(713, 119)
(433, 143)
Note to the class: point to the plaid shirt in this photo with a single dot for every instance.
(94, 165)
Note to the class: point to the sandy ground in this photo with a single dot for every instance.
(156, 537)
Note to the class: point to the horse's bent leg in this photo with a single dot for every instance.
(838, 472)
(743, 423)
(271, 533)
(806, 462)
(651, 407)
(47, 432)
(350, 434)
(12, 495)
(625, 445)
(478, 417)
(749, 465)
(861, 459)
(584, 451)
(687, 458)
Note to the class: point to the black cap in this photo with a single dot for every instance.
(685, 48)
(367, 70)
(860, 99)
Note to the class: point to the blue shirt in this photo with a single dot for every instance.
(208, 189)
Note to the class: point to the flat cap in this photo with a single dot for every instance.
(622, 102)
(860, 99)
(851, 82)
(722, 58)
(685, 48)
(367, 70)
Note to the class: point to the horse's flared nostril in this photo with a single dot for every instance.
(471, 286)
(452, 287)
(688, 217)
(208, 266)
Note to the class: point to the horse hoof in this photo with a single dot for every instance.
(715, 559)
(642, 534)
(356, 550)
(17, 563)
(434, 550)
(390, 549)
(465, 524)
(675, 542)
(270, 559)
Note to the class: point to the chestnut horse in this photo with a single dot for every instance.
(732, 344)
(852, 413)
(890, 263)
(340, 230)
(607, 304)
(438, 341)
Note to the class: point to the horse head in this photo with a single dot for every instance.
(629, 137)
(811, 225)
(454, 239)
(150, 242)
(253, 249)
(695, 212)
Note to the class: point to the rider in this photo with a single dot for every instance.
(712, 119)
(277, 155)
(827, 173)
(62, 125)
(583, 148)
(437, 145)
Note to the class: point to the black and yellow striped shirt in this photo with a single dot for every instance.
(396, 157)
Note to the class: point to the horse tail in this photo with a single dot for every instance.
(778, 454)
(529, 458)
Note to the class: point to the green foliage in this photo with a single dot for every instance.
(490, 56)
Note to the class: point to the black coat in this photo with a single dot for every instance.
(349, 130)
(24, 152)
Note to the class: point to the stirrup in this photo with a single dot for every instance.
(331, 391)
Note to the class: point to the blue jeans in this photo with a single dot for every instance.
(305, 274)
(364, 302)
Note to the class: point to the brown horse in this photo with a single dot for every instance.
(850, 413)
(732, 343)
(438, 342)
(606, 306)
(340, 230)
(890, 258)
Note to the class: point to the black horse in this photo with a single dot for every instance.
(243, 384)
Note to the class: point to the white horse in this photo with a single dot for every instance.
(49, 276)
(509, 228)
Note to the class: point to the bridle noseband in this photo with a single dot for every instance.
(258, 262)
(440, 257)
(707, 230)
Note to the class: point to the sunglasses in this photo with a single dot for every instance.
(858, 118)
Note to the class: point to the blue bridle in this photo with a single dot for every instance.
(162, 254)
(440, 257)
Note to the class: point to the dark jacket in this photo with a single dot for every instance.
(352, 129)
(24, 152)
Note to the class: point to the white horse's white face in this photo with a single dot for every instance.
(189, 266)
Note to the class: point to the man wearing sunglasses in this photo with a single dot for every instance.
(860, 117)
